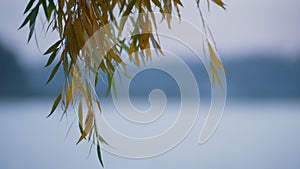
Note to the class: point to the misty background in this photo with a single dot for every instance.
(259, 45)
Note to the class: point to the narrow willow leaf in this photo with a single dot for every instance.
(89, 121)
(50, 9)
(103, 67)
(114, 88)
(69, 95)
(129, 7)
(53, 72)
(96, 78)
(167, 7)
(55, 104)
(115, 57)
(126, 13)
(51, 58)
(109, 79)
(83, 135)
(148, 5)
(53, 47)
(90, 134)
(157, 3)
(34, 14)
(218, 79)
(98, 104)
(99, 154)
(30, 17)
(80, 115)
(110, 66)
(179, 2)
(214, 74)
(29, 5)
(80, 129)
(122, 7)
(124, 46)
(102, 140)
(44, 4)
(214, 57)
(30, 32)
(26, 20)
(220, 3)
(131, 49)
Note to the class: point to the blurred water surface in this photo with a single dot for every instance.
(253, 134)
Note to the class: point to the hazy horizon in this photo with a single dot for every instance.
(245, 26)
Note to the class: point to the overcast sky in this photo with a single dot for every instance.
(253, 25)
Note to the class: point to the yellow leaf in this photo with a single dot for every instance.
(80, 115)
(214, 58)
(114, 56)
(213, 74)
(144, 40)
(88, 126)
(67, 26)
(178, 2)
(69, 94)
(220, 3)
(98, 104)
(147, 4)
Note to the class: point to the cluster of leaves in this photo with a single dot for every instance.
(76, 21)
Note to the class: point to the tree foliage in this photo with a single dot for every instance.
(78, 20)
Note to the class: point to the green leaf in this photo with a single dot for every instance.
(99, 154)
(80, 129)
(29, 5)
(26, 20)
(30, 33)
(53, 47)
(123, 45)
(102, 140)
(44, 4)
(126, 13)
(55, 104)
(31, 19)
(109, 79)
(50, 8)
(34, 14)
(53, 72)
(51, 58)
(167, 6)
(96, 79)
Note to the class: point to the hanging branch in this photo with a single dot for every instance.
(76, 21)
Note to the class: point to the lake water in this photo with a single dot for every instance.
(252, 135)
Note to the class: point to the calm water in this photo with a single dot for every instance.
(252, 134)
